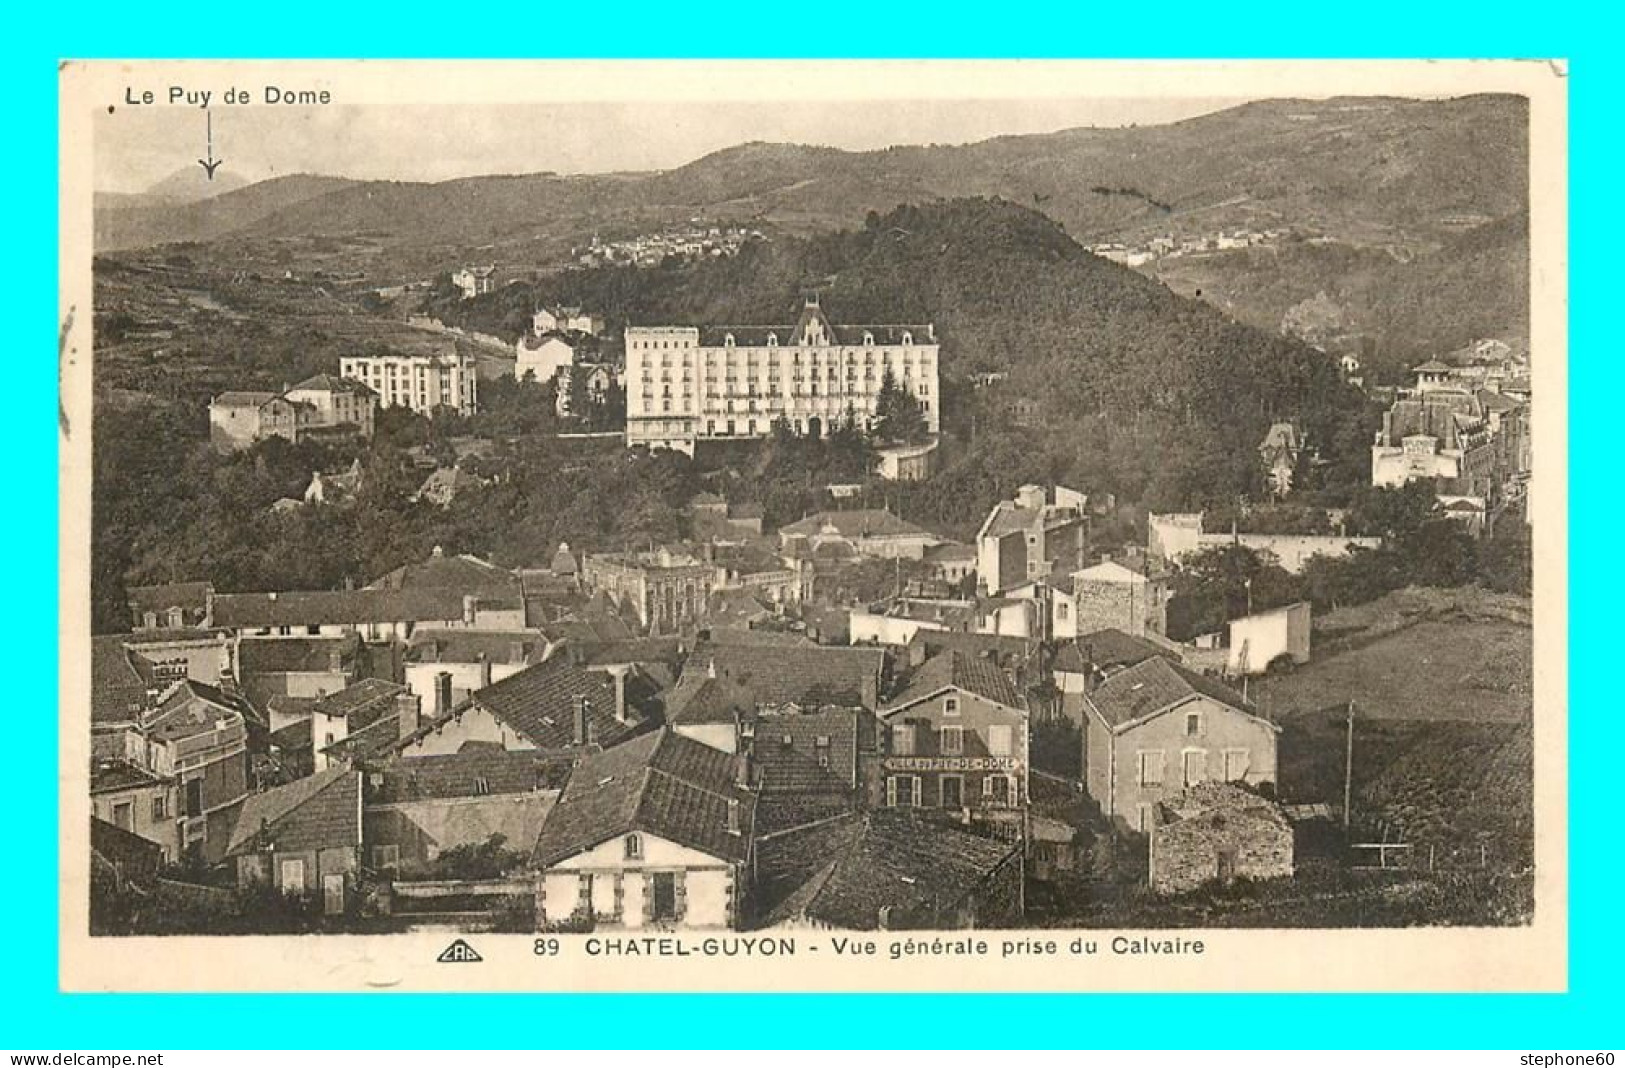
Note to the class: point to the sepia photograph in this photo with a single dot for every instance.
(1051, 518)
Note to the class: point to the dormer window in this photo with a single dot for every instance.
(908, 338)
(634, 847)
(728, 341)
(772, 341)
(868, 338)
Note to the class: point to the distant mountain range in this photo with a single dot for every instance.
(1405, 177)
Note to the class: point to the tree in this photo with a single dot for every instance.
(898, 417)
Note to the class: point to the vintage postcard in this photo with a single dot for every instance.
(1021, 526)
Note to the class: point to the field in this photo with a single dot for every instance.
(1443, 730)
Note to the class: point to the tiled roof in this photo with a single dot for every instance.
(262, 656)
(810, 753)
(1009, 518)
(629, 651)
(321, 811)
(107, 776)
(953, 668)
(242, 399)
(192, 595)
(998, 646)
(333, 384)
(540, 703)
(916, 869)
(1212, 796)
(1433, 366)
(314, 607)
(117, 689)
(806, 675)
(441, 646)
(467, 574)
(1156, 684)
(474, 771)
(854, 523)
(698, 699)
(949, 550)
(661, 784)
(195, 708)
(1107, 648)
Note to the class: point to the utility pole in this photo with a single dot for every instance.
(1348, 770)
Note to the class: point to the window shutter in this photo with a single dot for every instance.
(620, 895)
(680, 882)
(914, 791)
(648, 898)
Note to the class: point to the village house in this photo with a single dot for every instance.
(1276, 639)
(1126, 594)
(666, 590)
(1031, 537)
(888, 870)
(906, 463)
(1279, 452)
(422, 382)
(901, 618)
(541, 356)
(273, 668)
(416, 808)
(335, 487)
(376, 615)
(654, 832)
(810, 766)
(1085, 661)
(805, 677)
(865, 531)
(303, 838)
(355, 723)
(196, 736)
(1157, 728)
(958, 741)
(568, 318)
(474, 659)
(474, 281)
(136, 800)
(951, 561)
(550, 706)
(323, 406)
(1215, 833)
(686, 384)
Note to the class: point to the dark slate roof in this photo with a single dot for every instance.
(916, 868)
(468, 574)
(242, 398)
(313, 607)
(476, 770)
(1154, 685)
(629, 651)
(806, 675)
(322, 811)
(661, 784)
(265, 656)
(959, 670)
(1231, 799)
(848, 336)
(540, 701)
(1108, 648)
(854, 523)
(113, 843)
(192, 595)
(107, 776)
(1010, 518)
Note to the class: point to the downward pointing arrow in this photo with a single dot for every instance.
(210, 165)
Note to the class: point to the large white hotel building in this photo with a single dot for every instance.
(686, 384)
(421, 382)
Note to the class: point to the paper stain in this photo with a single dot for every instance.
(62, 360)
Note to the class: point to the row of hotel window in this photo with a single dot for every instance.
(906, 791)
(950, 740)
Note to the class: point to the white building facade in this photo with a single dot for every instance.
(687, 384)
(419, 382)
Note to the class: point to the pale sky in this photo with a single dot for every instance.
(136, 147)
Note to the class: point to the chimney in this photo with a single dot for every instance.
(408, 708)
(516, 652)
(582, 732)
(468, 608)
(485, 670)
(620, 696)
(442, 693)
(733, 816)
(742, 768)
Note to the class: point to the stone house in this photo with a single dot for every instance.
(1158, 728)
(302, 838)
(1218, 832)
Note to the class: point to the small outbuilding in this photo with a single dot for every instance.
(1218, 832)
